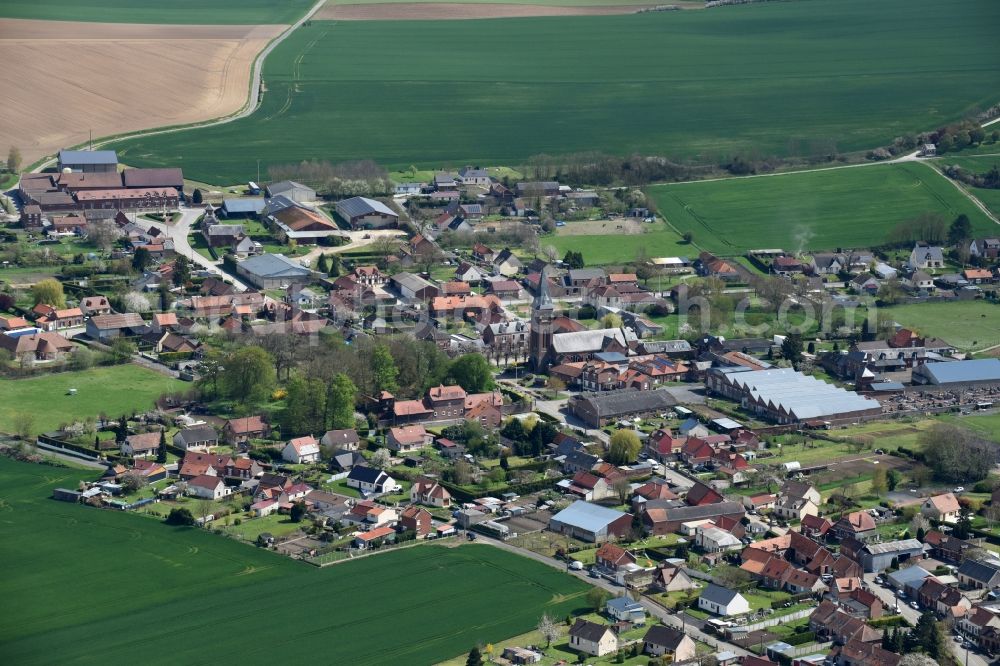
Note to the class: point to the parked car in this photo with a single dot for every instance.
(914, 605)
(576, 565)
(959, 489)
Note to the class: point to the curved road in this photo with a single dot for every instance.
(252, 101)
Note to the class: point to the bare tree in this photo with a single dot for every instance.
(103, 234)
(203, 508)
(622, 488)
(24, 425)
(133, 482)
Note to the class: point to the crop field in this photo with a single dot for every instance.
(190, 12)
(969, 325)
(425, 94)
(819, 210)
(62, 603)
(114, 390)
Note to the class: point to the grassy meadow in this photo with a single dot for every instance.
(193, 12)
(978, 164)
(969, 325)
(768, 79)
(114, 390)
(598, 249)
(88, 586)
(818, 210)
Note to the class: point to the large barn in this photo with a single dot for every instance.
(365, 213)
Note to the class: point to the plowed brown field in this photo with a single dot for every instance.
(64, 79)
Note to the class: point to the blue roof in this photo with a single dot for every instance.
(610, 357)
(983, 369)
(88, 157)
(587, 516)
(624, 604)
(908, 575)
(254, 205)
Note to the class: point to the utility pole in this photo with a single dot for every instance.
(91, 140)
(258, 172)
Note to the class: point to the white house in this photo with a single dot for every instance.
(370, 481)
(714, 539)
(721, 601)
(207, 487)
(301, 450)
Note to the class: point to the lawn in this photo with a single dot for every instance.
(597, 249)
(969, 325)
(820, 210)
(423, 94)
(59, 608)
(193, 12)
(113, 390)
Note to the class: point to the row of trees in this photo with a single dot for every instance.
(347, 179)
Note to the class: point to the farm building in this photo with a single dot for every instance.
(249, 207)
(89, 161)
(154, 178)
(289, 188)
(413, 287)
(787, 396)
(877, 557)
(301, 224)
(104, 327)
(590, 522)
(365, 213)
(600, 409)
(270, 271)
(957, 372)
(141, 198)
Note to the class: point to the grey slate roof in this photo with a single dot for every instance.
(719, 595)
(198, 434)
(608, 404)
(588, 631)
(661, 634)
(357, 206)
(978, 570)
(577, 342)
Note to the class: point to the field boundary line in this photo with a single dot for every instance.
(254, 97)
(966, 193)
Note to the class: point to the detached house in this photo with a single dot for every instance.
(613, 558)
(404, 439)
(207, 487)
(858, 525)
(663, 641)
(370, 481)
(943, 508)
(418, 519)
(198, 437)
(591, 638)
(926, 256)
(430, 492)
(143, 444)
(301, 450)
(722, 601)
(237, 431)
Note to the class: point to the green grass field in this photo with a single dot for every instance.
(819, 210)
(771, 78)
(546, 3)
(114, 390)
(979, 164)
(969, 325)
(193, 12)
(658, 241)
(85, 586)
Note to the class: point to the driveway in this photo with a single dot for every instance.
(358, 239)
(178, 232)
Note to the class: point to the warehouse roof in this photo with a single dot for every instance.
(978, 370)
(273, 265)
(358, 206)
(801, 396)
(587, 516)
(88, 157)
(169, 177)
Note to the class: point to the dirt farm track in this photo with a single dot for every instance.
(64, 79)
(443, 11)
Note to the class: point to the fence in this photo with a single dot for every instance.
(67, 448)
(774, 621)
(335, 556)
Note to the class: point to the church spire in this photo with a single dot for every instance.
(542, 301)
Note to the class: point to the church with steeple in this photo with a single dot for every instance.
(540, 333)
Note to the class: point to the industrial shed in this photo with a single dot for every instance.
(365, 213)
(270, 271)
(958, 372)
(590, 522)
